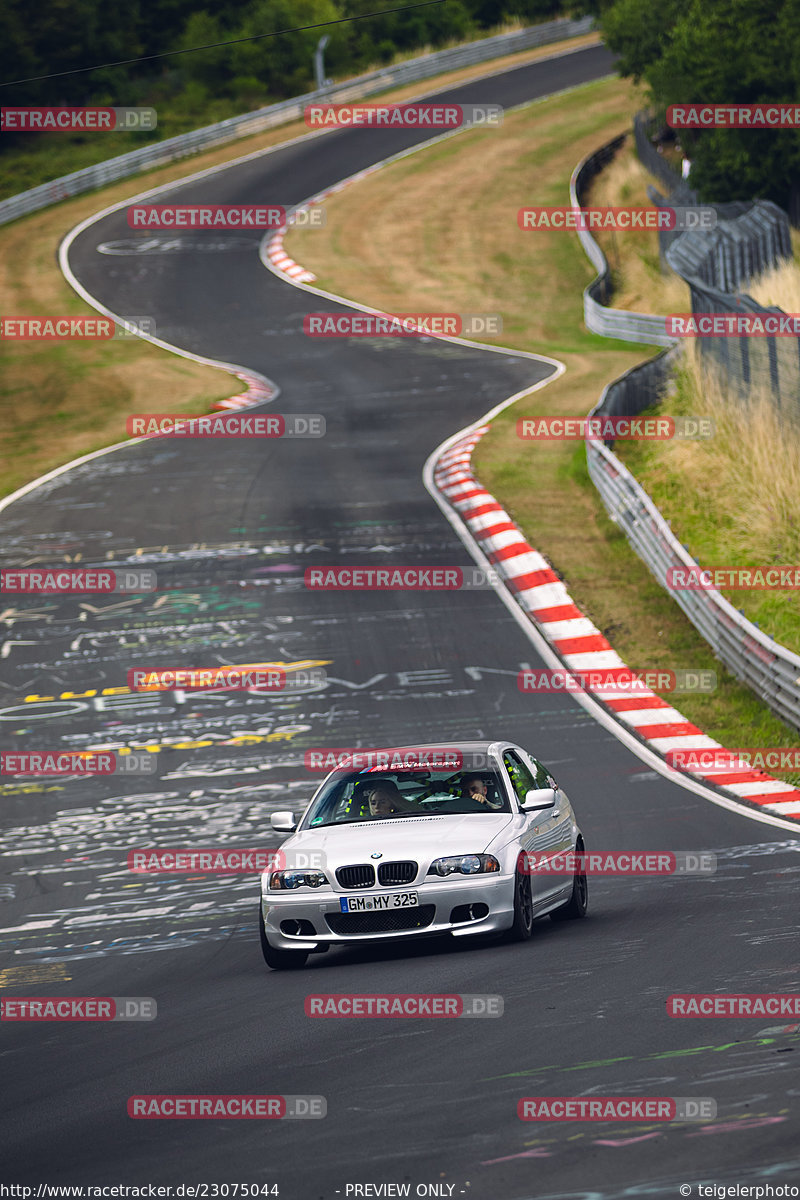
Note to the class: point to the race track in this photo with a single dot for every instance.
(230, 526)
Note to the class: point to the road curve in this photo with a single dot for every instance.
(230, 528)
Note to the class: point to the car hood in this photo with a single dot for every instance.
(418, 838)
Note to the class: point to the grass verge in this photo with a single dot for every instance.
(634, 261)
(59, 401)
(437, 231)
(730, 507)
(727, 507)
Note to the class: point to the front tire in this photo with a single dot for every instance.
(279, 960)
(578, 903)
(522, 926)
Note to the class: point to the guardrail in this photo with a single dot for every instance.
(611, 322)
(185, 144)
(740, 246)
(718, 264)
(770, 669)
(656, 164)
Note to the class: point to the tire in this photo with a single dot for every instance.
(279, 960)
(578, 903)
(522, 927)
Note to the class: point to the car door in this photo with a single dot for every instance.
(549, 832)
(561, 822)
(521, 780)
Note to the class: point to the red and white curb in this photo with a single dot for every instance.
(543, 597)
(281, 261)
(532, 590)
(273, 254)
(258, 390)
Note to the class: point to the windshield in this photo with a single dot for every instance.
(373, 796)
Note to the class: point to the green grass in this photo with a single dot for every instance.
(715, 530)
(461, 196)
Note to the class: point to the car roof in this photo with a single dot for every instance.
(487, 747)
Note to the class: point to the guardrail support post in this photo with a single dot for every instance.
(319, 65)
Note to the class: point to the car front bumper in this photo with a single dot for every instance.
(297, 921)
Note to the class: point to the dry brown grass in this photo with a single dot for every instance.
(745, 480)
(639, 282)
(433, 231)
(779, 286)
(61, 400)
(733, 499)
(456, 246)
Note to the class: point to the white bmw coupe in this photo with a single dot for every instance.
(422, 841)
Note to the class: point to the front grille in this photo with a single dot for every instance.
(351, 924)
(397, 872)
(361, 875)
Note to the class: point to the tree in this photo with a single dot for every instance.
(718, 51)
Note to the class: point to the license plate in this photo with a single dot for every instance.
(354, 904)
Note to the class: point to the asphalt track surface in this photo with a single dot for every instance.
(230, 526)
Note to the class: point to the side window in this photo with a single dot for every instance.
(542, 776)
(520, 775)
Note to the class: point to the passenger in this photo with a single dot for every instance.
(387, 799)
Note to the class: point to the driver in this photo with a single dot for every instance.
(387, 799)
(476, 789)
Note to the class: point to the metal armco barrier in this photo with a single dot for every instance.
(611, 322)
(750, 237)
(715, 267)
(160, 153)
(729, 255)
(656, 164)
(771, 670)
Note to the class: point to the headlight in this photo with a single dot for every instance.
(289, 880)
(464, 864)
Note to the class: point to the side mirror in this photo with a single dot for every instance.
(283, 822)
(539, 798)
